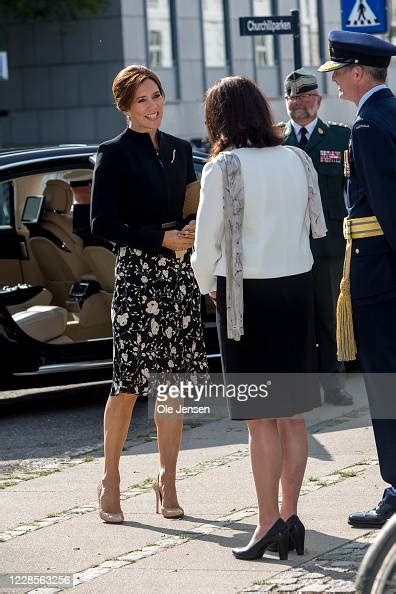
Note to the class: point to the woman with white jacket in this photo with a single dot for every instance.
(259, 201)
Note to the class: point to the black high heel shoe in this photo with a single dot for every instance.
(296, 536)
(277, 535)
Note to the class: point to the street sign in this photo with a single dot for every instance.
(3, 66)
(367, 16)
(273, 25)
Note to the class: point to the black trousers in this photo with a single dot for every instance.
(327, 273)
(375, 331)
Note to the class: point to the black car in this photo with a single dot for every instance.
(55, 282)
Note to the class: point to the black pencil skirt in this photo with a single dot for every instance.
(278, 349)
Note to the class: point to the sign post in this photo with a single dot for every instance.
(275, 25)
(364, 16)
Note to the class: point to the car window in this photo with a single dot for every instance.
(5, 204)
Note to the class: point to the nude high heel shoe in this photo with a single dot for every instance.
(174, 512)
(108, 517)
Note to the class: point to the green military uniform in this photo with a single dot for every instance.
(326, 147)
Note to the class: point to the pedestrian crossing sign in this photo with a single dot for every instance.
(368, 16)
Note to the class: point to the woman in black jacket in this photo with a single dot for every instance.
(138, 193)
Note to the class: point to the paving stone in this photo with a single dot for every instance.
(341, 588)
(90, 574)
(324, 579)
(114, 564)
(347, 564)
(361, 545)
(134, 556)
(284, 581)
(291, 588)
(314, 588)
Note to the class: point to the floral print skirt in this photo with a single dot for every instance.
(156, 317)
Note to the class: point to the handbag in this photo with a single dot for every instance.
(190, 207)
(191, 199)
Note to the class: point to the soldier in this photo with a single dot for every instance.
(367, 305)
(325, 143)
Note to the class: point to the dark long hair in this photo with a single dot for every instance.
(238, 115)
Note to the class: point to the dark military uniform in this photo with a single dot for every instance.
(326, 147)
(371, 192)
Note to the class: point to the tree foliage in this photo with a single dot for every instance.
(27, 10)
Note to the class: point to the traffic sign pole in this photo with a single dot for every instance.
(296, 39)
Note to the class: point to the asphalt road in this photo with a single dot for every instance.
(39, 426)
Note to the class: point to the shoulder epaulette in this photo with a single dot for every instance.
(339, 124)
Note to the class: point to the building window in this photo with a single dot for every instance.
(214, 33)
(159, 34)
(309, 32)
(264, 44)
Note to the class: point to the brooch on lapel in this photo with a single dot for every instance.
(330, 156)
(173, 156)
(320, 131)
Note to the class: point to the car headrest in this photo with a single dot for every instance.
(58, 196)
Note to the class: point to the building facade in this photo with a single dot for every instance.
(60, 73)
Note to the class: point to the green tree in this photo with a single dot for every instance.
(27, 10)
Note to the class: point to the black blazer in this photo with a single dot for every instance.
(372, 191)
(135, 190)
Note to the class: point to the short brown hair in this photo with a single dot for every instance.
(238, 115)
(127, 81)
(376, 74)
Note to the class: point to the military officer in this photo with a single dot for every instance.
(325, 143)
(366, 311)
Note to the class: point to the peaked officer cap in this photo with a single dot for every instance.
(300, 81)
(347, 47)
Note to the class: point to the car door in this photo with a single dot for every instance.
(12, 245)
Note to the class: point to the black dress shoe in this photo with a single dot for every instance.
(278, 535)
(375, 518)
(296, 536)
(338, 397)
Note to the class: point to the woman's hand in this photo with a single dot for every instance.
(212, 295)
(189, 230)
(177, 241)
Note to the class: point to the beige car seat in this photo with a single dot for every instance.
(42, 298)
(94, 319)
(46, 323)
(59, 251)
(102, 264)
